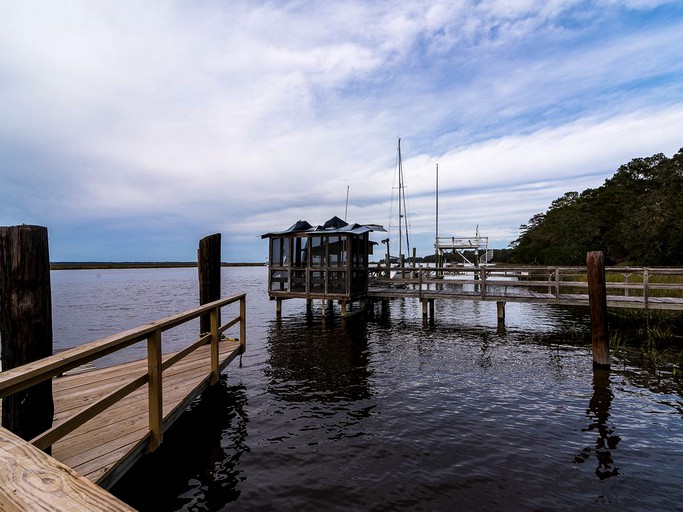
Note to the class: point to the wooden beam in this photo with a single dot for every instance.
(32, 480)
(155, 389)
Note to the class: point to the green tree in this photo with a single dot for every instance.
(636, 217)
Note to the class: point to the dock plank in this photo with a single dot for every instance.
(32, 480)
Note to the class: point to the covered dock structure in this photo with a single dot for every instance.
(327, 262)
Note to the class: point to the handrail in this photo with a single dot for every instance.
(25, 376)
(642, 287)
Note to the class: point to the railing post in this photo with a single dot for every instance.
(155, 389)
(626, 290)
(243, 323)
(557, 283)
(646, 291)
(214, 315)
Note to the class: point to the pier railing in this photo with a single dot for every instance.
(627, 287)
(23, 377)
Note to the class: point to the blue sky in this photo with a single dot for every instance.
(133, 129)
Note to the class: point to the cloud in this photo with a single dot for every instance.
(243, 117)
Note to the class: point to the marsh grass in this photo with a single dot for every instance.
(657, 335)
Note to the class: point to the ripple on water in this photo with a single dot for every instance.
(389, 414)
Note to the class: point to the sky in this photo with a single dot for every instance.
(132, 129)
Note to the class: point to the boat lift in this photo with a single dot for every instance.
(458, 245)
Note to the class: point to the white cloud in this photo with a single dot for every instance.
(252, 115)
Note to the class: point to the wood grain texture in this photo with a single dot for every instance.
(26, 323)
(32, 480)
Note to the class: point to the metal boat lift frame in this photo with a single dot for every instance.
(457, 245)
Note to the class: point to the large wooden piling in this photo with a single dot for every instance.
(209, 270)
(597, 299)
(26, 324)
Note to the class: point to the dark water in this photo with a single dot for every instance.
(389, 414)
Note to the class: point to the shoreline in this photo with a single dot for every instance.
(63, 265)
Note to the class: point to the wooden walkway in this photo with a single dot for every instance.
(106, 419)
(104, 447)
(639, 288)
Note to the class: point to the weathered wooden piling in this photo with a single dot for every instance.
(597, 300)
(500, 311)
(26, 324)
(209, 270)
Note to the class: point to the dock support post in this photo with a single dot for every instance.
(500, 309)
(597, 300)
(26, 324)
(278, 307)
(424, 309)
(431, 308)
(342, 306)
(209, 270)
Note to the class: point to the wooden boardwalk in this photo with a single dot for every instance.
(106, 419)
(635, 288)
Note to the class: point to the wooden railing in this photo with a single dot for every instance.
(628, 287)
(23, 377)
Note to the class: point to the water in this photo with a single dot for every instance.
(390, 414)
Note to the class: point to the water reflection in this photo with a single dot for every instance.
(209, 439)
(598, 413)
(327, 359)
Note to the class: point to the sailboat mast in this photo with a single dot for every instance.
(400, 198)
(436, 238)
(402, 209)
(402, 191)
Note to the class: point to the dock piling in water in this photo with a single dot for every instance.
(209, 270)
(26, 324)
(500, 310)
(597, 303)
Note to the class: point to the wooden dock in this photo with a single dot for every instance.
(106, 419)
(627, 287)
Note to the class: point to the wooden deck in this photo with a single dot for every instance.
(106, 419)
(107, 445)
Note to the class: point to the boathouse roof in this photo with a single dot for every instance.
(333, 226)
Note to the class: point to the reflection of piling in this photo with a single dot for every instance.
(598, 412)
(26, 324)
(597, 299)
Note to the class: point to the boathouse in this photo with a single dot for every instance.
(328, 262)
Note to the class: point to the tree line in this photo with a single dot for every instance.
(635, 218)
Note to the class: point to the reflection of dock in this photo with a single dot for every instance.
(106, 419)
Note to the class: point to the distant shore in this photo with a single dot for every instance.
(81, 265)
